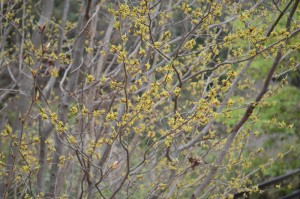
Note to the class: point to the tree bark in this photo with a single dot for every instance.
(82, 29)
(26, 97)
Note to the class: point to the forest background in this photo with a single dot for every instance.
(148, 98)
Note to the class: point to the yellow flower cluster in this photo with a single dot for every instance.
(7, 131)
(111, 116)
(90, 78)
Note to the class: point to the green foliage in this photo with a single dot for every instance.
(260, 67)
(283, 107)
